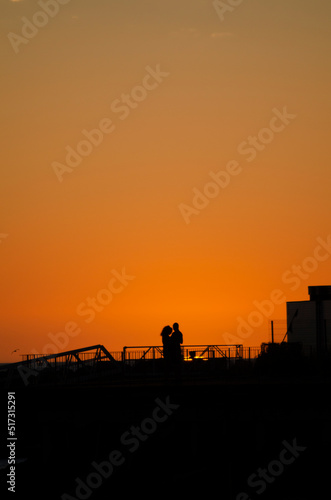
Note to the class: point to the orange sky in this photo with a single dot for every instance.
(178, 93)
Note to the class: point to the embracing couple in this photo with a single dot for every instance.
(172, 338)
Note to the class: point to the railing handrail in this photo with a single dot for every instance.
(183, 346)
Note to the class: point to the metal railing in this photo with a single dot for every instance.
(132, 354)
(91, 362)
(191, 352)
(86, 356)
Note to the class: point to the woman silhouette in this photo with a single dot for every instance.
(166, 339)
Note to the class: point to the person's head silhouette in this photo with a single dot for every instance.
(175, 326)
(166, 331)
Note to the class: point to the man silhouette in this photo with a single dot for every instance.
(176, 340)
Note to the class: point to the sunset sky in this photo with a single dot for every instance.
(134, 233)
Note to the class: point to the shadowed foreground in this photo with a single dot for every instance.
(98, 440)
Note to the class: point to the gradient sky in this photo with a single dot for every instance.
(61, 242)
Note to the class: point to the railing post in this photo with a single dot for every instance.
(153, 360)
(123, 358)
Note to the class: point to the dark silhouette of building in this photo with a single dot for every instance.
(309, 321)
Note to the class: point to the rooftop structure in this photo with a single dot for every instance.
(309, 321)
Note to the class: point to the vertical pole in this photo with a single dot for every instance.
(153, 360)
(272, 331)
(123, 358)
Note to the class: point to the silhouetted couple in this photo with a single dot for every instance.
(172, 338)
